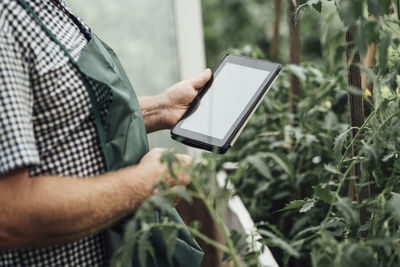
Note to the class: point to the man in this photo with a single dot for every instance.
(48, 140)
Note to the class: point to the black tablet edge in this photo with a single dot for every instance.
(241, 125)
(253, 110)
(199, 145)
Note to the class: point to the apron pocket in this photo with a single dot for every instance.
(129, 146)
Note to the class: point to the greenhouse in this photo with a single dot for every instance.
(180, 133)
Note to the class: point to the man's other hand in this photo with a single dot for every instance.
(152, 160)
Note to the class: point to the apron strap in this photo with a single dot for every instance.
(74, 19)
(47, 30)
(92, 96)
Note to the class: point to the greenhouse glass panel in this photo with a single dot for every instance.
(143, 35)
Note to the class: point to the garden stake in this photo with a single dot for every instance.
(356, 107)
(275, 38)
(294, 41)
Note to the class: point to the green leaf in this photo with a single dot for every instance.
(274, 240)
(295, 204)
(378, 7)
(357, 254)
(384, 7)
(130, 240)
(142, 243)
(324, 193)
(169, 238)
(150, 249)
(282, 161)
(354, 90)
(332, 169)
(383, 47)
(262, 167)
(272, 227)
(330, 121)
(319, 76)
(372, 30)
(322, 260)
(182, 192)
(349, 212)
(299, 8)
(262, 188)
(371, 75)
(387, 157)
(335, 44)
(373, 7)
(298, 72)
(394, 203)
(360, 38)
(239, 239)
(117, 258)
(350, 10)
(308, 205)
(160, 201)
(168, 157)
(372, 156)
(338, 145)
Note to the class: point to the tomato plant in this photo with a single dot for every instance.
(322, 187)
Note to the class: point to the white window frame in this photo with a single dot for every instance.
(191, 58)
(189, 37)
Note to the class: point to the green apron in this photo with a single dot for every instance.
(123, 137)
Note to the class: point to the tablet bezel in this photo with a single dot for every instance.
(208, 142)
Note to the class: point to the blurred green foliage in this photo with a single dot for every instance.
(294, 169)
(295, 176)
(236, 23)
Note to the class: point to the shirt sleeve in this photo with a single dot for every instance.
(17, 140)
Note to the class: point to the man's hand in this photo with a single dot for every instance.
(165, 110)
(152, 160)
(178, 97)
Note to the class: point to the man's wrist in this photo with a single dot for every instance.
(140, 188)
(154, 111)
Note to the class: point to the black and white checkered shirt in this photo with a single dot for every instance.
(46, 122)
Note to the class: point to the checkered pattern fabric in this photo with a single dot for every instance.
(46, 122)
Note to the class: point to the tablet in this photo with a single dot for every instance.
(223, 106)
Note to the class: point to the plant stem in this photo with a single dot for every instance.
(208, 240)
(192, 230)
(221, 225)
(219, 221)
(387, 120)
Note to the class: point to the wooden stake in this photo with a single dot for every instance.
(275, 37)
(356, 107)
(294, 41)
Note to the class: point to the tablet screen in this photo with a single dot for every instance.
(236, 85)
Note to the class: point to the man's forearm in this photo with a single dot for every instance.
(52, 210)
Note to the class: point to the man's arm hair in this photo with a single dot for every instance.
(44, 210)
(47, 210)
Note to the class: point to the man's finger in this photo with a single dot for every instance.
(201, 79)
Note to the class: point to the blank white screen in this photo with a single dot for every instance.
(225, 100)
